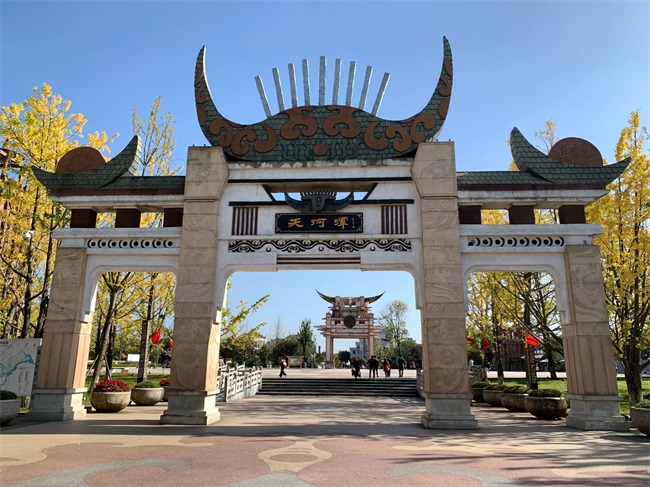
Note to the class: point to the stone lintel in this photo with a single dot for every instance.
(191, 407)
(448, 411)
(596, 413)
(57, 404)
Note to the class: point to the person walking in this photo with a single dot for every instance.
(356, 368)
(401, 363)
(283, 365)
(373, 365)
(386, 366)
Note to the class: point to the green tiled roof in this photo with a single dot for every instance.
(126, 162)
(147, 183)
(499, 177)
(528, 158)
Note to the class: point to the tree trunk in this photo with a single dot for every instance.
(144, 336)
(531, 369)
(100, 353)
(633, 368)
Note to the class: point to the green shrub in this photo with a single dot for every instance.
(643, 404)
(6, 395)
(515, 390)
(494, 387)
(479, 385)
(545, 393)
(147, 384)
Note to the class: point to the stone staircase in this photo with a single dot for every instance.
(381, 386)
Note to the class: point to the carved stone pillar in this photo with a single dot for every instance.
(195, 360)
(58, 395)
(371, 346)
(588, 351)
(446, 385)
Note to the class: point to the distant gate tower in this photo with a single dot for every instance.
(349, 317)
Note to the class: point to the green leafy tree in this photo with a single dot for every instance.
(305, 335)
(36, 132)
(392, 319)
(625, 249)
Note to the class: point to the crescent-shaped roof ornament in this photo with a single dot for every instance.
(528, 158)
(327, 298)
(125, 162)
(324, 132)
(374, 298)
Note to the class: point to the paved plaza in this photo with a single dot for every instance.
(328, 441)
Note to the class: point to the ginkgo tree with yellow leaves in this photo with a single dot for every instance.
(36, 132)
(625, 250)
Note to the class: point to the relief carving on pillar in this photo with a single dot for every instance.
(67, 288)
(587, 290)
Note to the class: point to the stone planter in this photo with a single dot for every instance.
(546, 407)
(477, 394)
(165, 395)
(492, 397)
(514, 402)
(147, 396)
(641, 419)
(9, 410)
(109, 402)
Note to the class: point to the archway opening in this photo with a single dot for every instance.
(513, 326)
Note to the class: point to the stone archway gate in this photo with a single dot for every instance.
(408, 209)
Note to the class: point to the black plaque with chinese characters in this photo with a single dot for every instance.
(318, 222)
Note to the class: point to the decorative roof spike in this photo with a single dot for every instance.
(321, 80)
(265, 101)
(348, 95)
(278, 88)
(305, 81)
(292, 85)
(337, 82)
(364, 90)
(380, 93)
(323, 132)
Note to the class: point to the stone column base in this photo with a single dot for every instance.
(57, 405)
(191, 407)
(448, 411)
(329, 365)
(595, 413)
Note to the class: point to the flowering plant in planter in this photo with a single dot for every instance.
(545, 393)
(111, 385)
(492, 394)
(110, 396)
(477, 390)
(513, 398)
(9, 407)
(164, 382)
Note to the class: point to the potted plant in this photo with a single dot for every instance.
(9, 407)
(164, 383)
(477, 390)
(110, 396)
(640, 416)
(147, 393)
(513, 398)
(492, 394)
(546, 403)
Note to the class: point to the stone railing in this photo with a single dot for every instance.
(239, 382)
(419, 379)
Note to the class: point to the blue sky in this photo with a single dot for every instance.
(583, 64)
